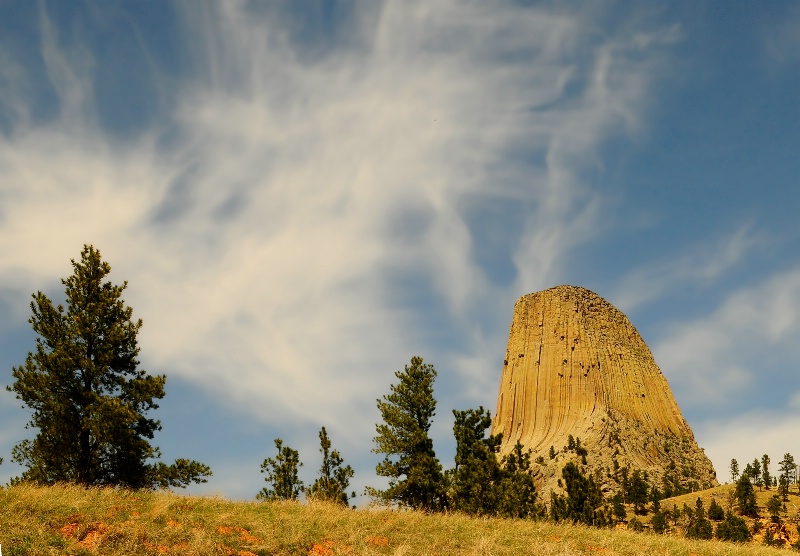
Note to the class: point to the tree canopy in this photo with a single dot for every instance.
(333, 479)
(282, 478)
(410, 463)
(88, 396)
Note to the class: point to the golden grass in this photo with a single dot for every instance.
(71, 520)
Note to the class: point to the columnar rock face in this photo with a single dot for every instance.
(575, 365)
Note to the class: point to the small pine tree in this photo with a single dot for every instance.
(774, 507)
(734, 467)
(733, 529)
(766, 479)
(583, 502)
(414, 472)
(618, 507)
(755, 473)
(333, 478)
(659, 522)
(787, 469)
(699, 526)
(638, 493)
(282, 475)
(715, 511)
(746, 497)
(655, 498)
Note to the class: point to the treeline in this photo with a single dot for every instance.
(483, 484)
(89, 402)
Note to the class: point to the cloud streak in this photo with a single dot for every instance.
(299, 223)
(718, 360)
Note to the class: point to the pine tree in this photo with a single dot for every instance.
(787, 469)
(699, 526)
(518, 497)
(475, 481)
(583, 502)
(733, 529)
(88, 396)
(282, 475)
(637, 492)
(659, 522)
(414, 472)
(734, 470)
(746, 496)
(333, 478)
(766, 479)
(774, 507)
(755, 473)
(715, 511)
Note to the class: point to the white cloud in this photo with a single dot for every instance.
(747, 437)
(702, 266)
(724, 354)
(269, 226)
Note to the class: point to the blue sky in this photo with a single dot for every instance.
(302, 196)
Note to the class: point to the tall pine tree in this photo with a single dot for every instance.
(414, 472)
(88, 396)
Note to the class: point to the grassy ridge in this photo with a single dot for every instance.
(71, 520)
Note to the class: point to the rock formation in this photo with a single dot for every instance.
(575, 365)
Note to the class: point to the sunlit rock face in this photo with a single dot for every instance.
(575, 365)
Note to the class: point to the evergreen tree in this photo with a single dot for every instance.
(787, 469)
(583, 502)
(655, 498)
(733, 529)
(715, 511)
(88, 396)
(333, 479)
(282, 475)
(774, 507)
(475, 481)
(766, 479)
(414, 472)
(755, 472)
(746, 497)
(518, 497)
(659, 522)
(699, 526)
(734, 470)
(638, 492)
(618, 507)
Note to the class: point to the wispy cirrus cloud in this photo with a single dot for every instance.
(302, 220)
(716, 360)
(702, 266)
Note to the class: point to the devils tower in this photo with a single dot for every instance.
(576, 366)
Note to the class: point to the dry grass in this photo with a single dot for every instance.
(70, 520)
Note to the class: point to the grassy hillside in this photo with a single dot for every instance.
(785, 531)
(71, 520)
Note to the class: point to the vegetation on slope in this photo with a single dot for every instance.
(71, 520)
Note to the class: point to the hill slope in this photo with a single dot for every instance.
(72, 520)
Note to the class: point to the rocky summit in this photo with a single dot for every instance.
(576, 367)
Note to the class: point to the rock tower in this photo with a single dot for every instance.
(575, 365)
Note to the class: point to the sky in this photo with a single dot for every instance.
(304, 195)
